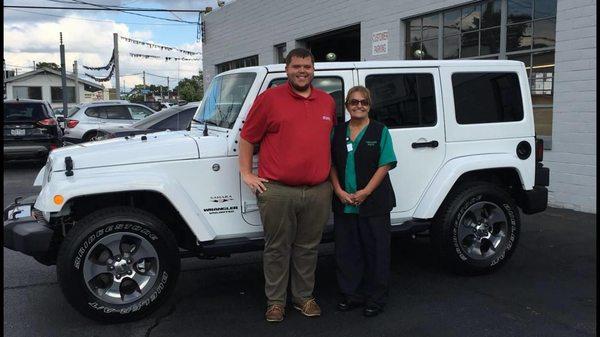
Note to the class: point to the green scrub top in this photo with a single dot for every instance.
(386, 157)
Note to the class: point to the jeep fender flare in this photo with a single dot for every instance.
(453, 169)
(114, 182)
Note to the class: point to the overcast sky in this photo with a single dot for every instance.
(33, 35)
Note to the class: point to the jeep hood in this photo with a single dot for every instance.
(155, 147)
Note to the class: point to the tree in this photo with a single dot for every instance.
(191, 89)
(50, 65)
(136, 94)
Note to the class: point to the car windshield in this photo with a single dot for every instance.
(23, 112)
(224, 98)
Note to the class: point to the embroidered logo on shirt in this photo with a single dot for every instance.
(371, 142)
(327, 118)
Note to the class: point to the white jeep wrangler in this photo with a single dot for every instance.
(116, 216)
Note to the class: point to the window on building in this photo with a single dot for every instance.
(487, 97)
(280, 54)
(331, 85)
(239, 63)
(27, 92)
(473, 31)
(57, 97)
(402, 100)
(422, 38)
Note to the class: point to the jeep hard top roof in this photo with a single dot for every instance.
(274, 68)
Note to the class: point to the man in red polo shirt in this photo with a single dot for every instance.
(292, 123)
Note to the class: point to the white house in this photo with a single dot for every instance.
(46, 84)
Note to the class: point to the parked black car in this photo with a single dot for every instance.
(174, 118)
(31, 130)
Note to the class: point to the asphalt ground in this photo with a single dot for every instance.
(548, 288)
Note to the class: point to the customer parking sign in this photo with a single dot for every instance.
(380, 42)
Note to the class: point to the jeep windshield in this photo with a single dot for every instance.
(224, 98)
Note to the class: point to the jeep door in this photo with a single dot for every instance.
(334, 82)
(409, 102)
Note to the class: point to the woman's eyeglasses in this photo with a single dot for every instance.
(355, 102)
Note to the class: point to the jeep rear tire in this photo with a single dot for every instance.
(118, 264)
(476, 229)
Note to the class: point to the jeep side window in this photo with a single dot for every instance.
(331, 85)
(487, 97)
(402, 100)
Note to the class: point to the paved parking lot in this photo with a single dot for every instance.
(548, 288)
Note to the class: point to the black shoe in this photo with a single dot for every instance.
(372, 310)
(346, 305)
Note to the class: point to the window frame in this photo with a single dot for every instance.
(516, 77)
(435, 102)
(28, 87)
(71, 99)
(237, 64)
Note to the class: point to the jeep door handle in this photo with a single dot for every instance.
(433, 143)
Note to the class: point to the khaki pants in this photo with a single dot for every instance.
(293, 218)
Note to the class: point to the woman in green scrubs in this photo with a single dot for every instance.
(362, 155)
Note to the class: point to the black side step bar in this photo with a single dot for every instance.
(226, 247)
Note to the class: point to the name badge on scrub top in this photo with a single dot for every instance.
(349, 147)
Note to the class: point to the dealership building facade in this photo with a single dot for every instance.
(555, 39)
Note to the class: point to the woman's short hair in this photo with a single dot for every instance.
(360, 89)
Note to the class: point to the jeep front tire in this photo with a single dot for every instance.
(476, 229)
(118, 264)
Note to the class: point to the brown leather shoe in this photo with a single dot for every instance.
(309, 308)
(275, 313)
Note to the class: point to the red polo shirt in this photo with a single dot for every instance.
(293, 132)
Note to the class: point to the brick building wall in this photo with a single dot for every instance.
(572, 160)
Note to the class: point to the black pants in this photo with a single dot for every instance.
(362, 252)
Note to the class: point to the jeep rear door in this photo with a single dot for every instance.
(409, 102)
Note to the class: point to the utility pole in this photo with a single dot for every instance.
(116, 61)
(168, 94)
(144, 79)
(33, 65)
(4, 76)
(63, 73)
(76, 73)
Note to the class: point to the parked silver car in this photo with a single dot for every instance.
(84, 121)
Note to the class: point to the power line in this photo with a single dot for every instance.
(110, 9)
(82, 19)
(128, 12)
(130, 75)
